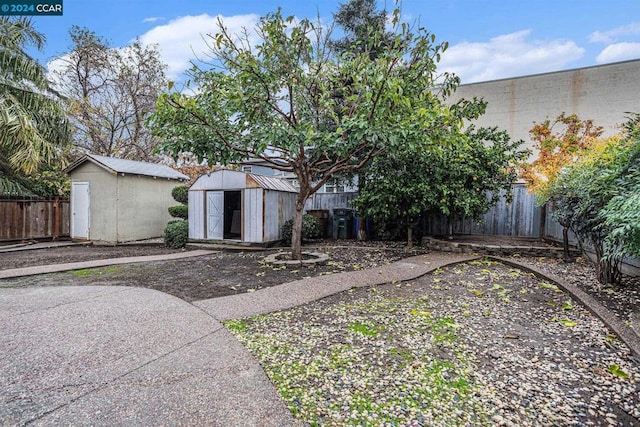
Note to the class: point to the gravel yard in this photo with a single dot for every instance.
(472, 344)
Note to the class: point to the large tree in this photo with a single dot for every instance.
(560, 142)
(362, 23)
(110, 94)
(598, 196)
(33, 127)
(285, 101)
(458, 176)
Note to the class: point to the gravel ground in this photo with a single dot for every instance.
(473, 344)
(623, 300)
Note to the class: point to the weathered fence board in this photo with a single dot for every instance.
(22, 219)
(520, 218)
(328, 201)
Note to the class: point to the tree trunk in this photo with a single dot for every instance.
(608, 269)
(410, 237)
(296, 232)
(362, 221)
(543, 221)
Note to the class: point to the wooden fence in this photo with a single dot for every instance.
(520, 218)
(25, 219)
(329, 201)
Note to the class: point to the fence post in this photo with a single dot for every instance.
(56, 218)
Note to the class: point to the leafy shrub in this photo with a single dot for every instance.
(180, 194)
(179, 211)
(176, 234)
(310, 228)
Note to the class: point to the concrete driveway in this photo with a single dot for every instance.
(125, 356)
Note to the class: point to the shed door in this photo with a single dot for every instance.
(215, 215)
(80, 210)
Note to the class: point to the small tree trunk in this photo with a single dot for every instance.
(543, 221)
(296, 232)
(410, 237)
(362, 229)
(362, 221)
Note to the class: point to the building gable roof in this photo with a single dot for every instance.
(129, 167)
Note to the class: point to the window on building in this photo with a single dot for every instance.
(333, 187)
(246, 169)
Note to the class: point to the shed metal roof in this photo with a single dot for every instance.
(272, 183)
(227, 179)
(131, 167)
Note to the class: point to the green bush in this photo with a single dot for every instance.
(180, 194)
(176, 234)
(179, 211)
(310, 228)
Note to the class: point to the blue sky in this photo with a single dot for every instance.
(489, 39)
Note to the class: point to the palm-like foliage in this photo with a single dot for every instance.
(33, 127)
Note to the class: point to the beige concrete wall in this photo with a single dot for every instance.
(102, 196)
(603, 93)
(142, 207)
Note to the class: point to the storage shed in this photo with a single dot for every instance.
(116, 200)
(238, 206)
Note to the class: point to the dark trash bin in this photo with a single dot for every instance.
(342, 223)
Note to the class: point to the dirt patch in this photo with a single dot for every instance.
(197, 278)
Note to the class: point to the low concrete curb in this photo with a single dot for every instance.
(55, 268)
(624, 332)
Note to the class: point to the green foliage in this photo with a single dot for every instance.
(310, 228)
(359, 20)
(179, 211)
(50, 182)
(180, 194)
(622, 213)
(452, 177)
(296, 103)
(598, 197)
(33, 126)
(176, 234)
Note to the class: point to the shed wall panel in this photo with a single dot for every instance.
(196, 215)
(143, 204)
(279, 208)
(253, 215)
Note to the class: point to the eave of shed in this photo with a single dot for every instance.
(270, 183)
(226, 179)
(129, 167)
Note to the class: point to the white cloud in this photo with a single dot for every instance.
(183, 39)
(613, 35)
(619, 52)
(153, 19)
(508, 55)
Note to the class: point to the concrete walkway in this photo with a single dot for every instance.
(138, 357)
(55, 268)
